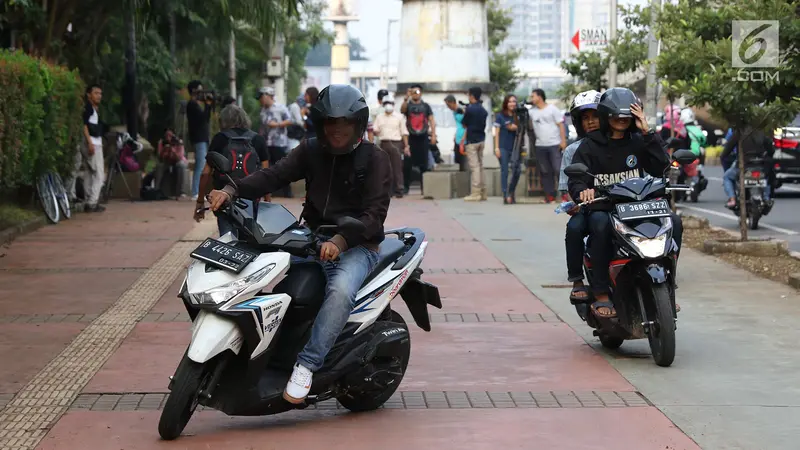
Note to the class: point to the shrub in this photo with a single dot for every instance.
(40, 119)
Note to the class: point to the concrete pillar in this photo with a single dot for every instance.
(444, 47)
(275, 70)
(340, 13)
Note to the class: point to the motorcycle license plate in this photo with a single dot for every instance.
(642, 210)
(755, 182)
(223, 256)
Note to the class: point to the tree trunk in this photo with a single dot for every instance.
(232, 63)
(171, 98)
(129, 92)
(742, 202)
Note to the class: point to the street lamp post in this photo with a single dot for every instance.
(388, 48)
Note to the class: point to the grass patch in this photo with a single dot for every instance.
(12, 215)
(775, 268)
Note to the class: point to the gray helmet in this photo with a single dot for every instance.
(616, 102)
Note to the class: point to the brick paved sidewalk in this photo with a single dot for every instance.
(498, 370)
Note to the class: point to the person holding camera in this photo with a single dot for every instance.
(198, 116)
(420, 123)
(459, 157)
(507, 124)
(473, 142)
(171, 156)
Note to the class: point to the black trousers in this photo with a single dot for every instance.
(577, 229)
(419, 146)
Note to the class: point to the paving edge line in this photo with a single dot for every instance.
(8, 235)
(28, 417)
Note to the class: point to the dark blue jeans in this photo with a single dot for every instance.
(509, 187)
(577, 229)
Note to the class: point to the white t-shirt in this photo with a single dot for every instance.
(545, 124)
(94, 119)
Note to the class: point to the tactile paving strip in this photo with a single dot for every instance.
(39, 270)
(26, 419)
(459, 271)
(406, 400)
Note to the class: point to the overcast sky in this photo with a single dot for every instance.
(374, 16)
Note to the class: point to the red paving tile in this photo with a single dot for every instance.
(71, 254)
(62, 293)
(505, 357)
(145, 360)
(490, 293)
(26, 348)
(169, 302)
(460, 255)
(644, 428)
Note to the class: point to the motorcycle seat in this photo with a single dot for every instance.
(389, 251)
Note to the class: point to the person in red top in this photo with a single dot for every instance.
(171, 155)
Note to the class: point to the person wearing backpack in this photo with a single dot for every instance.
(345, 176)
(247, 151)
(420, 123)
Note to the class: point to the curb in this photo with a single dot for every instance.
(8, 235)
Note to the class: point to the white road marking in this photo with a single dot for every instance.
(736, 219)
(782, 188)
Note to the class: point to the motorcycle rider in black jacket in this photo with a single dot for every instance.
(624, 147)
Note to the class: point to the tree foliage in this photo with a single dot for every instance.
(502, 65)
(304, 33)
(696, 62)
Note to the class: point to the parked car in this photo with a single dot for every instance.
(787, 153)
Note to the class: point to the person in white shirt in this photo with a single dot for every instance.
(390, 128)
(92, 152)
(551, 139)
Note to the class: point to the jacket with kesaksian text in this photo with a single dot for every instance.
(616, 160)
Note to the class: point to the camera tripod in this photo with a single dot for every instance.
(518, 151)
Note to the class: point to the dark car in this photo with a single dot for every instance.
(787, 153)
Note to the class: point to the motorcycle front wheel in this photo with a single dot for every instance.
(662, 336)
(183, 398)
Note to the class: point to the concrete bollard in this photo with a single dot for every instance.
(767, 247)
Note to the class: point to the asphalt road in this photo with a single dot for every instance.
(783, 222)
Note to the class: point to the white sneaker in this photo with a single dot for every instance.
(298, 386)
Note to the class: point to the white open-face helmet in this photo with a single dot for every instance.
(687, 116)
(583, 101)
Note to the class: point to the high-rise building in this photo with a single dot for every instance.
(543, 29)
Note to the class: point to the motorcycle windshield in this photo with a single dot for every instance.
(274, 219)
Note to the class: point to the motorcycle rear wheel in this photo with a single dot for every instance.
(182, 400)
(752, 220)
(662, 342)
(371, 400)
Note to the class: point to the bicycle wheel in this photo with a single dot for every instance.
(61, 194)
(47, 198)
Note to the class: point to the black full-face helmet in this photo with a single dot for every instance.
(340, 101)
(616, 102)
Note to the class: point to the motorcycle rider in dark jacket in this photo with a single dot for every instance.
(756, 145)
(624, 147)
(340, 118)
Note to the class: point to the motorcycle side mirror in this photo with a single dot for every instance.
(577, 169)
(219, 163)
(351, 225)
(684, 156)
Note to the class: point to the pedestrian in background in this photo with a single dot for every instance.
(473, 142)
(171, 156)
(551, 138)
(421, 127)
(198, 116)
(296, 115)
(274, 121)
(506, 125)
(310, 97)
(91, 152)
(376, 111)
(390, 128)
(459, 156)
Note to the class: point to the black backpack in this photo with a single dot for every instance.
(361, 154)
(241, 153)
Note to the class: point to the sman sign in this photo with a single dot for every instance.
(590, 39)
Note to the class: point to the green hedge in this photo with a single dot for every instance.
(40, 118)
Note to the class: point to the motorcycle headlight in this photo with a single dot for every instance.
(649, 248)
(222, 294)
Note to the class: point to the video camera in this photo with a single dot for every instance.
(522, 110)
(213, 96)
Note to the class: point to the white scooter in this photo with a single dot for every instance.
(252, 306)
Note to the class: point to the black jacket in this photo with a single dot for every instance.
(331, 193)
(755, 145)
(615, 160)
